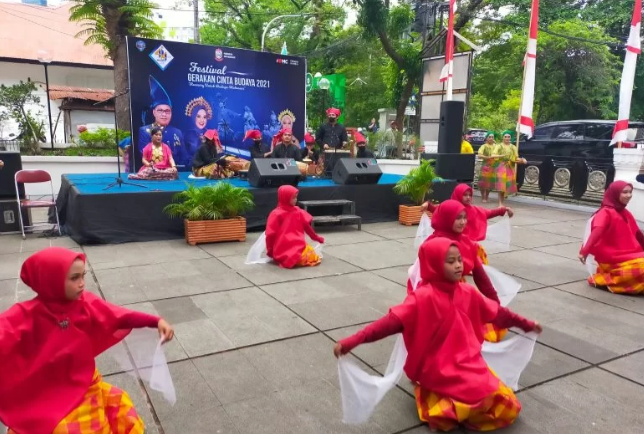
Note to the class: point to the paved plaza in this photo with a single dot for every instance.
(253, 347)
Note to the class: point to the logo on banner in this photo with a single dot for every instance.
(162, 57)
(140, 45)
(219, 55)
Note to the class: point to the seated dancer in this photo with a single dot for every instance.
(442, 323)
(363, 151)
(617, 243)
(310, 151)
(257, 149)
(48, 346)
(158, 163)
(477, 217)
(449, 221)
(284, 146)
(285, 229)
(210, 161)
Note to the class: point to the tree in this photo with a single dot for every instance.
(14, 99)
(107, 23)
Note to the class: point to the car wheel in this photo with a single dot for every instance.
(531, 175)
(562, 177)
(596, 180)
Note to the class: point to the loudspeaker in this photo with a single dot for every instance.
(273, 172)
(450, 127)
(356, 171)
(453, 166)
(9, 220)
(12, 164)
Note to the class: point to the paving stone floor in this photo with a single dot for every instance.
(253, 347)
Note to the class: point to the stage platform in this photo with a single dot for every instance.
(92, 215)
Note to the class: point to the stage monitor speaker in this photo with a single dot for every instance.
(356, 171)
(450, 128)
(273, 172)
(9, 221)
(459, 167)
(12, 164)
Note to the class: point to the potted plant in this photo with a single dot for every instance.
(212, 213)
(416, 185)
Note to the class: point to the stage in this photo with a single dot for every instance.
(92, 215)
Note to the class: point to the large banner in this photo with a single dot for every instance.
(187, 89)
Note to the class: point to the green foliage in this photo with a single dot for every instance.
(108, 22)
(77, 151)
(102, 138)
(213, 202)
(417, 184)
(488, 115)
(14, 99)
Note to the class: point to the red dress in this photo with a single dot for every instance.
(285, 230)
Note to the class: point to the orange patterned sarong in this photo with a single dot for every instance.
(309, 257)
(482, 254)
(105, 409)
(498, 410)
(623, 278)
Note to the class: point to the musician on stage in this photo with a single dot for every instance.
(332, 135)
(361, 143)
(257, 149)
(285, 146)
(309, 151)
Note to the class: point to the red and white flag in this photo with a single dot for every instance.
(526, 123)
(633, 49)
(448, 70)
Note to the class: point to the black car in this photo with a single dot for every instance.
(589, 139)
(476, 137)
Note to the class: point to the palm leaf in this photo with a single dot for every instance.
(213, 202)
(417, 184)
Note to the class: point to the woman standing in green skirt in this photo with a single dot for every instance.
(487, 177)
(507, 156)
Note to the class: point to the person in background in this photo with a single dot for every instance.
(361, 143)
(373, 126)
(487, 176)
(285, 229)
(442, 326)
(49, 345)
(158, 163)
(209, 161)
(257, 149)
(466, 146)
(309, 151)
(507, 156)
(161, 107)
(124, 151)
(285, 146)
(332, 135)
(617, 244)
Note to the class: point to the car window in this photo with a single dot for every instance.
(543, 132)
(599, 131)
(568, 132)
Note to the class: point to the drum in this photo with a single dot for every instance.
(303, 167)
(237, 164)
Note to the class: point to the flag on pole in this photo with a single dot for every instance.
(526, 123)
(447, 72)
(284, 49)
(633, 49)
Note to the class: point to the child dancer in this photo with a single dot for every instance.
(50, 383)
(285, 229)
(449, 221)
(617, 243)
(442, 323)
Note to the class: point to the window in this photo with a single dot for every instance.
(543, 133)
(599, 131)
(568, 132)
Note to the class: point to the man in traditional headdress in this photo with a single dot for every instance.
(285, 146)
(332, 135)
(257, 149)
(361, 143)
(161, 107)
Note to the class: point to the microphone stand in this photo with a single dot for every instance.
(119, 180)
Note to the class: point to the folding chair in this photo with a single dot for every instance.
(35, 177)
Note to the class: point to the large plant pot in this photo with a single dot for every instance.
(214, 231)
(409, 215)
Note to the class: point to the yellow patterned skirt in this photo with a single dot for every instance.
(623, 278)
(498, 410)
(309, 257)
(105, 409)
(482, 254)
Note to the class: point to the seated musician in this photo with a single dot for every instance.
(210, 161)
(309, 151)
(361, 143)
(257, 149)
(285, 146)
(158, 163)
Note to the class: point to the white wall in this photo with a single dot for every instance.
(12, 73)
(397, 167)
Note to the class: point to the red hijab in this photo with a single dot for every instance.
(48, 345)
(285, 239)
(443, 331)
(612, 194)
(476, 228)
(443, 224)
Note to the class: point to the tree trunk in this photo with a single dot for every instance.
(400, 112)
(122, 101)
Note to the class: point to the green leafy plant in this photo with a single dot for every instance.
(213, 202)
(102, 138)
(417, 184)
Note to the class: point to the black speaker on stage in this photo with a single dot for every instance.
(273, 172)
(459, 167)
(450, 127)
(9, 220)
(356, 171)
(12, 164)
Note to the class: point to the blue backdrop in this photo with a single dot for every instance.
(199, 87)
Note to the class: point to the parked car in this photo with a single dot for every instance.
(476, 137)
(589, 139)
